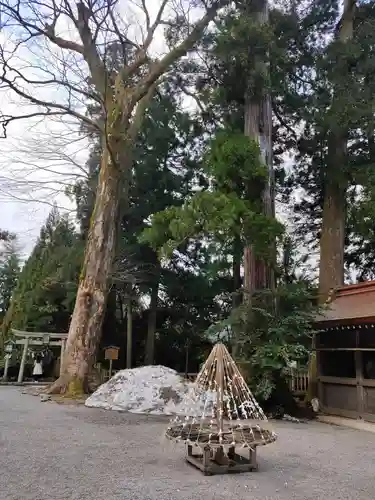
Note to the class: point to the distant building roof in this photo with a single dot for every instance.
(351, 304)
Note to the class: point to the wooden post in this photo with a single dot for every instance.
(110, 368)
(129, 333)
(220, 390)
(23, 360)
(63, 343)
(206, 458)
(319, 373)
(358, 359)
(312, 389)
(253, 457)
(360, 388)
(6, 367)
(186, 359)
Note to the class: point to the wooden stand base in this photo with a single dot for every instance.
(214, 461)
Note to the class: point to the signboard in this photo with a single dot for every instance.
(111, 353)
(46, 339)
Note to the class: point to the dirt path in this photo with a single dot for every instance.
(52, 452)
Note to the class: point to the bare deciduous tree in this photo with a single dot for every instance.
(53, 55)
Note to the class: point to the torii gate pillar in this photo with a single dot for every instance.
(23, 360)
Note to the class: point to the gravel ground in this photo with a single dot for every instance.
(52, 452)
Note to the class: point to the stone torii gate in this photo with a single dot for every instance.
(29, 339)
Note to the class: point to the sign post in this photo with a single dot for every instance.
(111, 353)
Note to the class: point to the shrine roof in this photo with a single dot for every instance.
(351, 304)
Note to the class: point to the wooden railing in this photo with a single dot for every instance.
(298, 381)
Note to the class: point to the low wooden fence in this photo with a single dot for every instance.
(298, 381)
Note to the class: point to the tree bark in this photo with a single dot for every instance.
(332, 240)
(236, 270)
(258, 126)
(237, 294)
(151, 327)
(89, 310)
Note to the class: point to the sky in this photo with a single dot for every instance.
(36, 167)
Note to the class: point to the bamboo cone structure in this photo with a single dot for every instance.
(220, 414)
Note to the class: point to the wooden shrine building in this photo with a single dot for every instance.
(345, 347)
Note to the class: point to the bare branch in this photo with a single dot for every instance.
(147, 15)
(193, 95)
(151, 29)
(5, 120)
(283, 122)
(161, 66)
(86, 93)
(90, 52)
(141, 54)
(34, 30)
(47, 104)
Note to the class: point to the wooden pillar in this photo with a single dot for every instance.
(6, 367)
(359, 380)
(253, 458)
(63, 343)
(358, 359)
(23, 360)
(319, 369)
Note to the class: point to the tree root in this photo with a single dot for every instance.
(69, 387)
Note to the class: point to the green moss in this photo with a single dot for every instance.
(75, 388)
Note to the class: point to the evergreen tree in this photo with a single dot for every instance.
(10, 264)
(337, 91)
(45, 293)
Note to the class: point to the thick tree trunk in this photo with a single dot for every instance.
(331, 268)
(258, 125)
(90, 306)
(258, 274)
(332, 240)
(151, 327)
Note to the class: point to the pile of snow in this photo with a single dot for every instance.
(156, 390)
